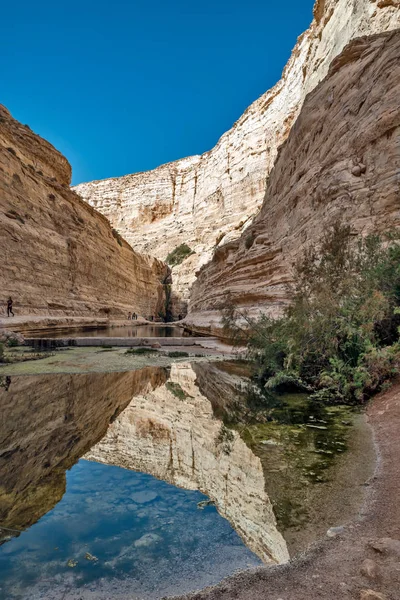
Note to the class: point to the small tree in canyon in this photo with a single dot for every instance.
(339, 336)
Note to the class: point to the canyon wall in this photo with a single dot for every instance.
(59, 255)
(172, 434)
(206, 201)
(341, 161)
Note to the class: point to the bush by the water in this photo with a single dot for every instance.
(141, 350)
(177, 256)
(338, 339)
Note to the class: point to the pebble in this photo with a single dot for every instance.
(370, 569)
(335, 531)
(386, 546)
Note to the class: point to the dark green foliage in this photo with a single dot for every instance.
(176, 390)
(177, 354)
(177, 256)
(141, 350)
(12, 342)
(339, 336)
(1, 352)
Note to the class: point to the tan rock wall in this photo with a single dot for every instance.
(341, 160)
(210, 199)
(59, 255)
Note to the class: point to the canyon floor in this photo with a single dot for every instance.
(363, 561)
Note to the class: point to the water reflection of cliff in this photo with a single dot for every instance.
(47, 423)
(173, 434)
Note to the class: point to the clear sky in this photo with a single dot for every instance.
(124, 86)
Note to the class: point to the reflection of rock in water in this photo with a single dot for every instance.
(47, 424)
(172, 433)
(311, 481)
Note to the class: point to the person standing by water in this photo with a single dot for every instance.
(10, 307)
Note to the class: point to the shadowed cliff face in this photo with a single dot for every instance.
(47, 423)
(172, 434)
(341, 160)
(209, 200)
(59, 255)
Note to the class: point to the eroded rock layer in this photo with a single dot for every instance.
(59, 255)
(341, 161)
(208, 200)
(172, 434)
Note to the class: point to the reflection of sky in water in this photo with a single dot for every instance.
(147, 534)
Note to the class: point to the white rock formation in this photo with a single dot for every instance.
(210, 199)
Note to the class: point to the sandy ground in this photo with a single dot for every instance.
(363, 561)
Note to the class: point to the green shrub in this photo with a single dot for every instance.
(176, 390)
(177, 354)
(177, 256)
(12, 342)
(1, 352)
(141, 351)
(338, 338)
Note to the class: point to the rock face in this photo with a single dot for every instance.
(172, 434)
(341, 160)
(59, 255)
(208, 200)
(67, 415)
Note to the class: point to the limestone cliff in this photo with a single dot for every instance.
(341, 160)
(208, 200)
(172, 434)
(59, 255)
(67, 415)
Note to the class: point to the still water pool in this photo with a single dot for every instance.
(135, 484)
(114, 525)
(125, 331)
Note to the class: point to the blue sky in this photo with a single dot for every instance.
(120, 87)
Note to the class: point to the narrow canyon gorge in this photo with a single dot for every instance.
(148, 451)
(209, 201)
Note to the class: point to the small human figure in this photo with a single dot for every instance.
(10, 306)
(135, 316)
(7, 383)
(129, 316)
